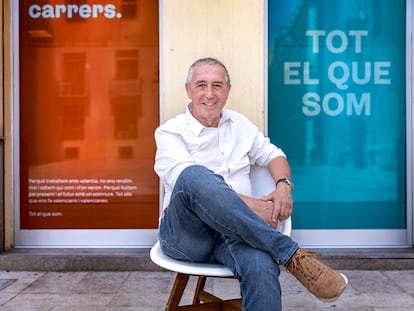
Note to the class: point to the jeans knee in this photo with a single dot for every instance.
(195, 175)
(193, 170)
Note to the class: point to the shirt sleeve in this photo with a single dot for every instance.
(172, 155)
(263, 150)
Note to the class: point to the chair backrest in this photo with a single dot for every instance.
(262, 181)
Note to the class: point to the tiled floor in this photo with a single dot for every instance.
(148, 291)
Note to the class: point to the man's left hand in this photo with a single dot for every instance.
(282, 202)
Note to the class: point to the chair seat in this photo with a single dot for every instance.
(187, 267)
(195, 268)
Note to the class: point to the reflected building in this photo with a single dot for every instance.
(89, 99)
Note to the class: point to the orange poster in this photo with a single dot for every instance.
(88, 109)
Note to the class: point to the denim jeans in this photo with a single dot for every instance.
(206, 221)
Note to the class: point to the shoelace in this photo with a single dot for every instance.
(302, 259)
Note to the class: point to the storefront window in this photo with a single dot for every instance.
(337, 106)
(88, 109)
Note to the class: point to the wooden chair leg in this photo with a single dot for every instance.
(199, 287)
(177, 291)
(232, 305)
(202, 296)
(202, 300)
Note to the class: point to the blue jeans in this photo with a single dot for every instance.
(206, 221)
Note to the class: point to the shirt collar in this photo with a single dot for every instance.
(196, 127)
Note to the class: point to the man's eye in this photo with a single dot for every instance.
(200, 86)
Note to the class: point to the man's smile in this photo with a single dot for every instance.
(209, 104)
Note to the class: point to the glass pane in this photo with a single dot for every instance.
(88, 110)
(337, 107)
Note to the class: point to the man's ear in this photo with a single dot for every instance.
(187, 89)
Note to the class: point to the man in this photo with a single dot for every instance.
(203, 159)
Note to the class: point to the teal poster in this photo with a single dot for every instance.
(337, 107)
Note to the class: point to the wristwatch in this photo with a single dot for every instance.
(286, 181)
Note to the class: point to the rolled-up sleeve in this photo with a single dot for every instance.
(262, 150)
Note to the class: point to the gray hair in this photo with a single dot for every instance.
(208, 61)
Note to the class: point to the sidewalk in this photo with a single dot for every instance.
(368, 290)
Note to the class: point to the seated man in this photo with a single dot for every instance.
(203, 159)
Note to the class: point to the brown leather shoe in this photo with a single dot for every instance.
(326, 284)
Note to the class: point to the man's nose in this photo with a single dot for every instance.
(209, 91)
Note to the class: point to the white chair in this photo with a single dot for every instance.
(262, 183)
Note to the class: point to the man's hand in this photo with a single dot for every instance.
(264, 208)
(281, 198)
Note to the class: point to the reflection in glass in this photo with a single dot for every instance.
(88, 110)
(337, 107)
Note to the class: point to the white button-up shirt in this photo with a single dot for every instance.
(228, 150)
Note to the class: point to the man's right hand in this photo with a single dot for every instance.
(263, 208)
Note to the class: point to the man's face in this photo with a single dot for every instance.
(208, 91)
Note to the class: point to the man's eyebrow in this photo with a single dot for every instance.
(214, 82)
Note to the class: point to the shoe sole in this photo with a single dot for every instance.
(340, 292)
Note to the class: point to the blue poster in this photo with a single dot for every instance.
(337, 107)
